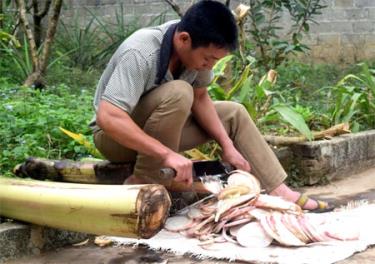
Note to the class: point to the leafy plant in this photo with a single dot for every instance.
(354, 100)
(31, 119)
(20, 59)
(93, 43)
(265, 17)
(264, 105)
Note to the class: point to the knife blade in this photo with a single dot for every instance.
(208, 175)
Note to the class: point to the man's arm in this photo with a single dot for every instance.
(205, 113)
(118, 124)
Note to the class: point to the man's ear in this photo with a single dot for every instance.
(184, 38)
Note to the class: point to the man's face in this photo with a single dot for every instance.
(201, 58)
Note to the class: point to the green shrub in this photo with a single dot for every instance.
(31, 119)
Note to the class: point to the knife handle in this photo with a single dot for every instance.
(167, 174)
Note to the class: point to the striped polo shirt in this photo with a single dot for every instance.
(141, 64)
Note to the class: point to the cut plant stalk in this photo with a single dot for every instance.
(336, 130)
(119, 210)
(91, 171)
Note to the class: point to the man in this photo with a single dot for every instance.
(152, 102)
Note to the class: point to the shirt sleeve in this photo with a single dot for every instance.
(127, 82)
(203, 79)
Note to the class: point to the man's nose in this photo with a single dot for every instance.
(209, 65)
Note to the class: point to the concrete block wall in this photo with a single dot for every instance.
(345, 33)
(323, 160)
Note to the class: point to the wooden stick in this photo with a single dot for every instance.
(336, 130)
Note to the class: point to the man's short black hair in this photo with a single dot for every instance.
(210, 22)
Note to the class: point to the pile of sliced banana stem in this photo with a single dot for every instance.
(240, 214)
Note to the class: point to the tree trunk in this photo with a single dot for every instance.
(175, 7)
(38, 17)
(29, 34)
(39, 61)
(1, 14)
(51, 30)
(118, 210)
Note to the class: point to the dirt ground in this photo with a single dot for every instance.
(356, 187)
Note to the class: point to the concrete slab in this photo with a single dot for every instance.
(356, 187)
(346, 188)
(18, 239)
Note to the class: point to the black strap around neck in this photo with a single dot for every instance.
(166, 50)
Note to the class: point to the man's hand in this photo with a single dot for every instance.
(230, 154)
(182, 166)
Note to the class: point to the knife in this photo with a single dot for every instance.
(205, 174)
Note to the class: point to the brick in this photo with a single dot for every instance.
(334, 15)
(364, 3)
(343, 3)
(339, 152)
(319, 53)
(341, 27)
(356, 14)
(348, 54)
(327, 3)
(307, 150)
(352, 39)
(109, 2)
(314, 170)
(371, 144)
(371, 12)
(357, 148)
(369, 51)
(89, 3)
(67, 4)
(310, 39)
(361, 27)
(285, 156)
(329, 39)
(321, 27)
(333, 27)
(369, 39)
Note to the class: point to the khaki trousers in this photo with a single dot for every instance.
(165, 114)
